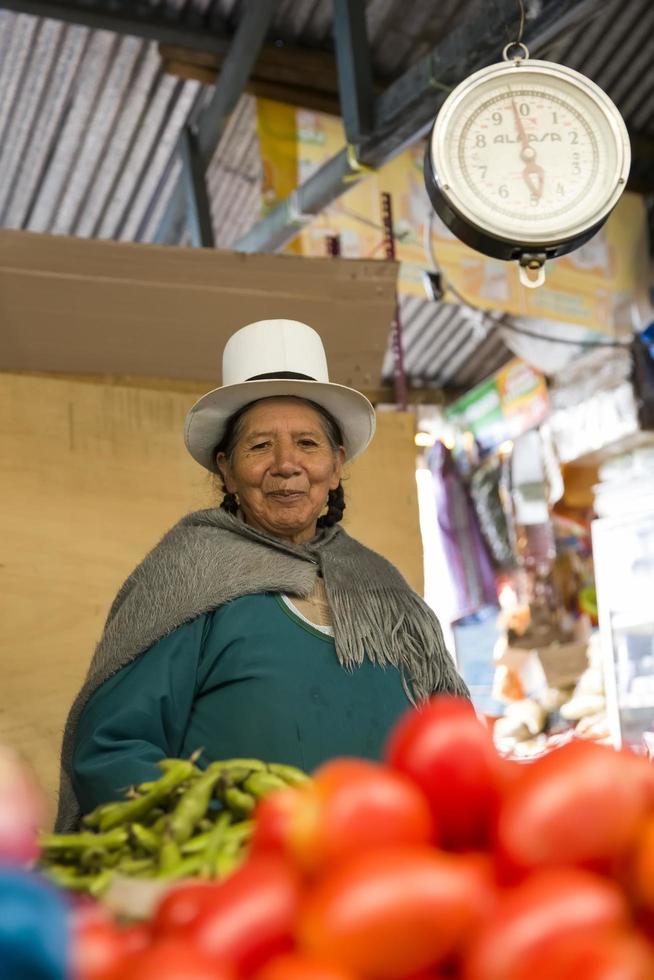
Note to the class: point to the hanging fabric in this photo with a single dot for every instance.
(469, 564)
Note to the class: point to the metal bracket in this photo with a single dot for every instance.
(358, 169)
(294, 209)
(531, 269)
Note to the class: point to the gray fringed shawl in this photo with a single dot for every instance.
(210, 557)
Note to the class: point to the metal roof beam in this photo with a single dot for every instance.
(126, 18)
(198, 206)
(306, 77)
(209, 126)
(405, 111)
(354, 64)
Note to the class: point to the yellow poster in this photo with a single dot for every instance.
(277, 131)
(593, 286)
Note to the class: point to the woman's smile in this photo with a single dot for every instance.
(286, 494)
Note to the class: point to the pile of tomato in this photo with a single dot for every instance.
(444, 860)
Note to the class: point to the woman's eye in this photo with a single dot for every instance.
(308, 442)
(259, 445)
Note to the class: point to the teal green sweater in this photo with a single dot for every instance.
(250, 679)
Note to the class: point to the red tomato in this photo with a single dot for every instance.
(181, 906)
(135, 938)
(171, 959)
(640, 871)
(429, 975)
(252, 914)
(613, 956)
(298, 966)
(97, 947)
(581, 804)
(351, 805)
(396, 911)
(549, 905)
(637, 876)
(85, 910)
(450, 755)
(274, 818)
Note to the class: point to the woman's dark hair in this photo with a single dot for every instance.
(335, 507)
(233, 429)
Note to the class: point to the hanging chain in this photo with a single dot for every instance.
(521, 29)
(518, 41)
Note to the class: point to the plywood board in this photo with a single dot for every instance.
(89, 306)
(92, 476)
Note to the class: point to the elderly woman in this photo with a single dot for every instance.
(258, 628)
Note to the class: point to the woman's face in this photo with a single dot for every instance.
(282, 468)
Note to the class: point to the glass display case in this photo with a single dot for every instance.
(623, 552)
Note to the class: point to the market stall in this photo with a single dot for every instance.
(542, 494)
(345, 718)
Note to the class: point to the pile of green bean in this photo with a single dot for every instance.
(188, 823)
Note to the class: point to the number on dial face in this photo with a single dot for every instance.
(528, 154)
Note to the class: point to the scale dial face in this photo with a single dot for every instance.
(530, 152)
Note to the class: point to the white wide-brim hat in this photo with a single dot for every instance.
(268, 359)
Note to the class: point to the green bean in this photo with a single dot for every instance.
(84, 840)
(184, 868)
(290, 774)
(153, 815)
(172, 765)
(135, 866)
(146, 787)
(214, 843)
(131, 810)
(192, 806)
(100, 883)
(261, 783)
(241, 804)
(92, 819)
(169, 853)
(169, 828)
(237, 832)
(112, 858)
(235, 775)
(93, 859)
(196, 844)
(249, 764)
(159, 824)
(240, 831)
(145, 838)
(66, 878)
(227, 859)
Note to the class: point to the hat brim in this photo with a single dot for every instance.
(207, 419)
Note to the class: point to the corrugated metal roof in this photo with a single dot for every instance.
(89, 124)
(445, 345)
(613, 46)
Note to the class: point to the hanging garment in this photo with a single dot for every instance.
(469, 564)
(485, 495)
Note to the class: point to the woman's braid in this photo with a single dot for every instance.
(335, 508)
(229, 503)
